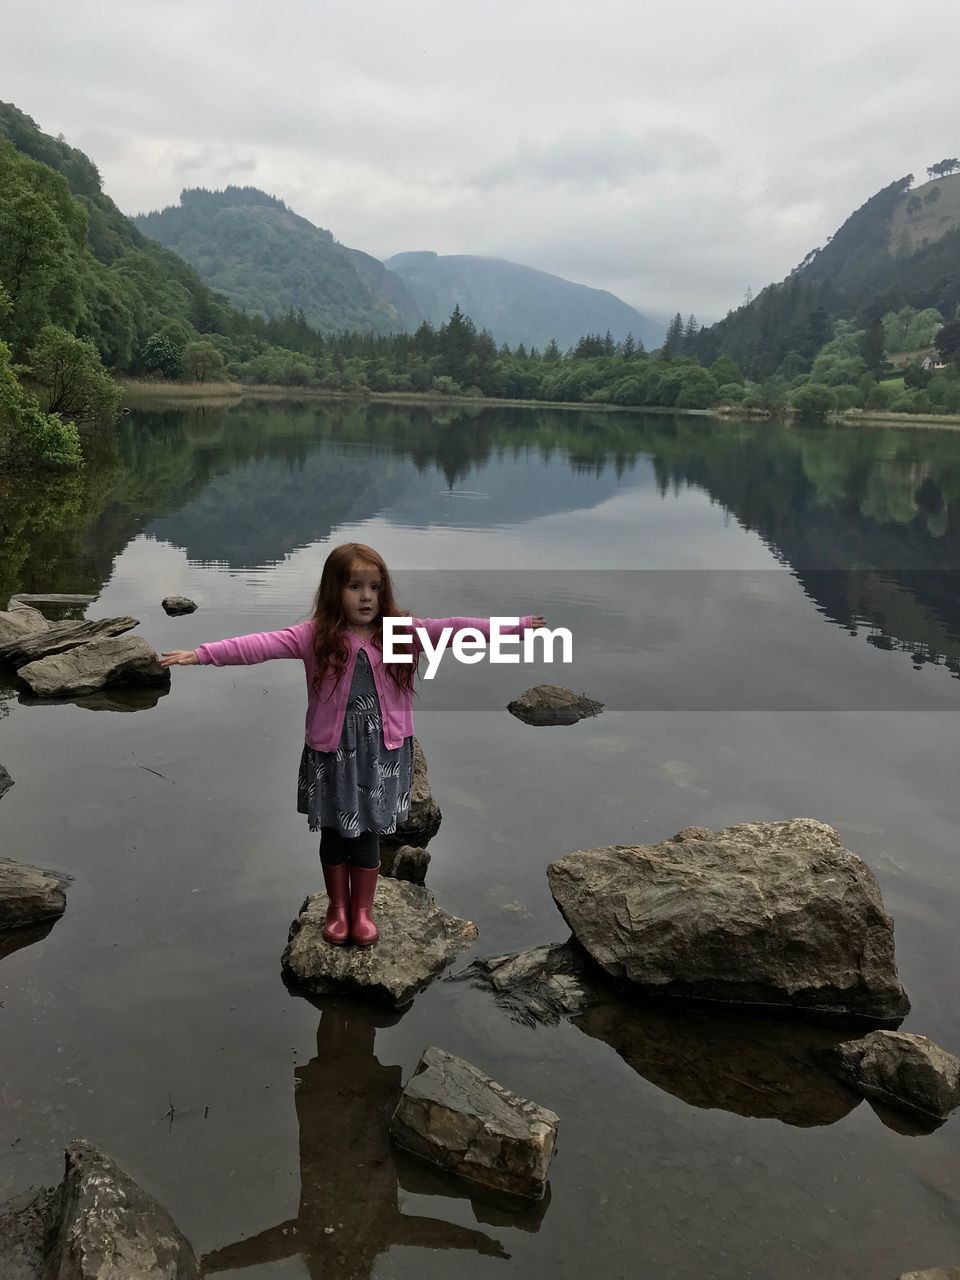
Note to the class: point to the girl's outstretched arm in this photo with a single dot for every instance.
(433, 626)
(244, 651)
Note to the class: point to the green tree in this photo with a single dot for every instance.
(200, 359)
(30, 438)
(813, 402)
(71, 378)
(872, 347)
(915, 376)
(161, 355)
(725, 371)
(673, 342)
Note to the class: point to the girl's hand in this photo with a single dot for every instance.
(538, 620)
(179, 658)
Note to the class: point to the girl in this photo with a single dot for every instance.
(357, 762)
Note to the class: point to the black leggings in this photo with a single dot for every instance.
(362, 850)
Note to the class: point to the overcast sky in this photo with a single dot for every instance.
(673, 151)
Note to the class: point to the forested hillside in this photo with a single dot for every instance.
(268, 260)
(518, 304)
(900, 249)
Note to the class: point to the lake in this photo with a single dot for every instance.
(771, 616)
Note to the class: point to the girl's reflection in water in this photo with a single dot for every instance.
(348, 1174)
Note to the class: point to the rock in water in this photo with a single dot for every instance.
(111, 661)
(455, 1116)
(934, 1273)
(6, 782)
(769, 913)
(175, 605)
(901, 1070)
(404, 862)
(19, 621)
(59, 637)
(97, 1225)
(541, 985)
(417, 942)
(29, 895)
(424, 820)
(553, 704)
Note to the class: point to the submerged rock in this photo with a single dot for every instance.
(176, 605)
(120, 660)
(423, 822)
(900, 1070)
(97, 1225)
(29, 895)
(541, 985)
(546, 704)
(6, 782)
(19, 621)
(455, 1116)
(933, 1273)
(417, 942)
(59, 637)
(768, 914)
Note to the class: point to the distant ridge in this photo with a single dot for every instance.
(518, 303)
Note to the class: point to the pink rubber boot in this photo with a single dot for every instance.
(336, 928)
(363, 887)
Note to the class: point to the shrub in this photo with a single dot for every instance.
(71, 378)
(814, 401)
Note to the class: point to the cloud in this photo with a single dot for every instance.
(673, 151)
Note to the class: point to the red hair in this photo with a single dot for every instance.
(330, 645)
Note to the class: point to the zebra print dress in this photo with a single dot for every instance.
(362, 786)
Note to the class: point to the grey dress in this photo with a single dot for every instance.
(362, 786)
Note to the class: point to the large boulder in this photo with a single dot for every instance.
(553, 704)
(424, 819)
(97, 1225)
(417, 942)
(19, 621)
(119, 660)
(900, 1070)
(29, 895)
(767, 914)
(453, 1115)
(59, 637)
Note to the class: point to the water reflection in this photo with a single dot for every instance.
(348, 1171)
(749, 1065)
(12, 940)
(867, 519)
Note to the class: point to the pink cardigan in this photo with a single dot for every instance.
(327, 707)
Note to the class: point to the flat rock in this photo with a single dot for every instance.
(423, 822)
(175, 605)
(29, 895)
(553, 704)
(763, 914)
(117, 660)
(901, 1070)
(455, 1116)
(19, 621)
(932, 1273)
(417, 942)
(59, 637)
(539, 986)
(404, 862)
(53, 597)
(6, 782)
(97, 1225)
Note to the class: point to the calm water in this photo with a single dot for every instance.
(772, 617)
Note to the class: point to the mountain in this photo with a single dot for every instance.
(516, 303)
(901, 248)
(86, 266)
(268, 260)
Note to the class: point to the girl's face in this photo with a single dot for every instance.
(361, 596)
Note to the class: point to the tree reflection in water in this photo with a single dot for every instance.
(348, 1173)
